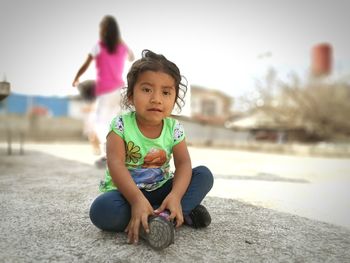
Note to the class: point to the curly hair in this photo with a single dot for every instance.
(110, 33)
(151, 61)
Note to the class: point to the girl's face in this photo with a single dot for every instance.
(154, 97)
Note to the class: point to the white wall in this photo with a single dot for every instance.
(201, 134)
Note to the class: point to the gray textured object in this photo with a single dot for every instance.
(161, 234)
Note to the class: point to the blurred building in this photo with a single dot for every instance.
(321, 60)
(210, 106)
(22, 104)
(267, 126)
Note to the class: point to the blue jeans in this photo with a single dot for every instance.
(111, 211)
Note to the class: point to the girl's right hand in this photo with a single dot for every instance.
(140, 211)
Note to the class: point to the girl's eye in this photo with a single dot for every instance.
(146, 89)
(166, 93)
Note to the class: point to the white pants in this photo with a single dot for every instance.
(107, 107)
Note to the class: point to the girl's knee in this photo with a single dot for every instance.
(96, 209)
(109, 214)
(205, 175)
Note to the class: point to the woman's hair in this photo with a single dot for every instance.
(151, 61)
(110, 34)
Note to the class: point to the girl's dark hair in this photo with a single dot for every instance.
(151, 61)
(110, 33)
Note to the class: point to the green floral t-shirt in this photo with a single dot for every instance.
(146, 159)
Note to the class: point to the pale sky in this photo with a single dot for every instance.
(216, 44)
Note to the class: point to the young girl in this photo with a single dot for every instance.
(140, 145)
(110, 55)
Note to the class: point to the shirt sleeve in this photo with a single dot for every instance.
(178, 133)
(117, 126)
(95, 50)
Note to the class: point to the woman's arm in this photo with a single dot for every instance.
(131, 56)
(82, 70)
(140, 207)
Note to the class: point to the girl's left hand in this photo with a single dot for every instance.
(75, 83)
(173, 204)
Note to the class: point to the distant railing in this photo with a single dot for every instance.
(10, 132)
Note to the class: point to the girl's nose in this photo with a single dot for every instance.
(156, 99)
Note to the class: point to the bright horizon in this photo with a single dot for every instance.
(219, 45)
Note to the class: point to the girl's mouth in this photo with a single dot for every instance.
(155, 109)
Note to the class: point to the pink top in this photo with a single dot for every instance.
(110, 68)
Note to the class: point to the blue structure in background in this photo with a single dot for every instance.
(20, 104)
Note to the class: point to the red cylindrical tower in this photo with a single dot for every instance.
(321, 59)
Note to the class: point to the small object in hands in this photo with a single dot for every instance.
(87, 90)
(161, 231)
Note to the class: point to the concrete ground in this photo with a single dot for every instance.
(45, 196)
(312, 187)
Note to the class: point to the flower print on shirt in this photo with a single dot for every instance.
(132, 152)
